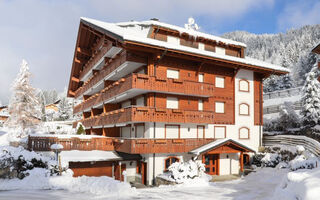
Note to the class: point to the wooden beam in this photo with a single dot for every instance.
(77, 60)
(74, 79)
(72, 93)
(84, 51)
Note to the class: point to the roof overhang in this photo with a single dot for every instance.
(232, 144)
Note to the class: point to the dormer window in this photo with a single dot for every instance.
(220, 50)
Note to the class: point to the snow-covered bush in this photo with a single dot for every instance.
(16, 161)
(270, 160)
(183, 172)
(80, 129)
(303, 162)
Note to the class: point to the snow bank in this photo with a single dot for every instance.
(40, 179)
(301, 184)
(303, 162)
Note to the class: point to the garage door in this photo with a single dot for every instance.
(102, 168)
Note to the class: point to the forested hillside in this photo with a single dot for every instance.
(291, 50)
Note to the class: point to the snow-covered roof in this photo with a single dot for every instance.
(87, 156)
(133, 35)
(216, 144)
(67, 136)
(182, 30)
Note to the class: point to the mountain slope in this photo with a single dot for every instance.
(291, 50)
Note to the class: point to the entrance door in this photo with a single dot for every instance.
(117, 171)
(211, 162)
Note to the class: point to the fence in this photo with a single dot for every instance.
(309, 144)
(282, 93)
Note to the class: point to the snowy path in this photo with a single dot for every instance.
(260, 185)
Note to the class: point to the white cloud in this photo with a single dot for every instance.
(44, 31)
(299, 13)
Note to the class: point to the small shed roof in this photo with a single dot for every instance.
(218, 143)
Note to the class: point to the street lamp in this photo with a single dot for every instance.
(57, 148)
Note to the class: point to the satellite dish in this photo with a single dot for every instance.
(191, 20)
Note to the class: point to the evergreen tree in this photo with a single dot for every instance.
(64, 109)
(23, 106)
(311, 99)
(288, 117)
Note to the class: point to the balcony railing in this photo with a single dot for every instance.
(36, 143)
(149, 83)
(148, 114)
(95, 58)
(106, 70)
(127, 145)
(143, 146)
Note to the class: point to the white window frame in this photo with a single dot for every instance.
(172, 73)
(200, 78)
(172, 103)
(219, 107)
(246, 86)
(220, 82)
(200, 105)
(244, 109)
(220, 50)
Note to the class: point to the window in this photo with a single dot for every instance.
(139, 131)
(172, 131)
(219, 132)
(140, 101)
(244, 109)
(219, 82)
(172, 73)
(173, 40)
(200, 131)
(126, 131)
(220, 50)
(243, 85)
(200, 78)
(244, 133)
(169, 161)
(200, 105)
(219, 107)
(172, 103)
(126, 104)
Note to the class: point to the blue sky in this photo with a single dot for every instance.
(44, 31)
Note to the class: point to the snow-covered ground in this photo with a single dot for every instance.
(260, 185)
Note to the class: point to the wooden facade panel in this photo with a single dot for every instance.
(258, 100)
(233, 52)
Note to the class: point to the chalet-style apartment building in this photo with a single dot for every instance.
(162, 93)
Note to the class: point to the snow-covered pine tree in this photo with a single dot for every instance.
(288, 117)
(23, 106)
(311, 99)
(65, 109)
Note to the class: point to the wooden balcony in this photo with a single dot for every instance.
(95, 58)
(148, 83)
(143, 146)
(127, 145)
(36, 143)
(99, 76)
(148, 114)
